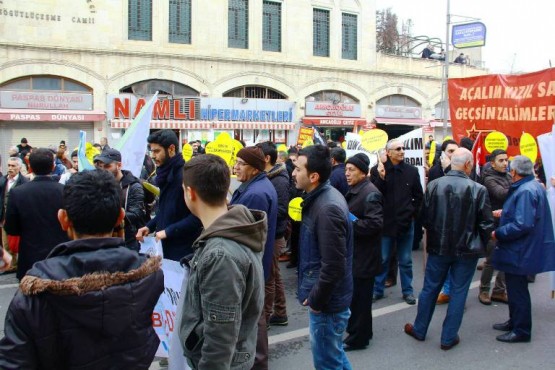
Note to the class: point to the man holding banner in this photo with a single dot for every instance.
(173, 224)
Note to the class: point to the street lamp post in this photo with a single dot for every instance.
(445, 94)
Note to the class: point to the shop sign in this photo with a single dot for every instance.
(398, 111)
(52, 117)
(45, 100)
(246, 110)
(334, 121)
(127, 106)
(329, 109)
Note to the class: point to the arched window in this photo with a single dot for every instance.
(45, 83)
(333, 96)
(397, 99)
(164, 87)
(254, 92)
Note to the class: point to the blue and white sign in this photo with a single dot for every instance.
(468, 35)
(246, 110)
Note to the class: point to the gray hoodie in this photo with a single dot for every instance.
(225, 292)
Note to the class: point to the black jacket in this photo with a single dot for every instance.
(402, 192)
(366, 203)
(338, 179)
(3, 186)
(32, 213)
(181, 226)
(87, 306)
(280, 179)
(457, 214)
(133, 203)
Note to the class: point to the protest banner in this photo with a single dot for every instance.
(305, 133)
(413, 142)
(511, 104)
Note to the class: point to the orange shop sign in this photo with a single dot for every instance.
(127, 106)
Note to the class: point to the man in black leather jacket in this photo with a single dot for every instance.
(457, 215)
(88, 305)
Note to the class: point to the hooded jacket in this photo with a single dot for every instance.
(134, 206)
(88, 305)
(225, 292)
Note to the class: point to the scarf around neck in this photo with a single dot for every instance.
(164, 170)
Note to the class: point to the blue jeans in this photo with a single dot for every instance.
(404, 254)
(461, 272)
(447, 285)
(326, 339)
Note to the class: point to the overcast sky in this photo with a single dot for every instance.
(520, 35)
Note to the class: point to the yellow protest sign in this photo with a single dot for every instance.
(432, 154)
(528, 146)
(222, 147)
(295, 210)
(308, 142)
(282, 148)
(236, 147)
(496, 140)
(373, 140)
(187, 152)
(153, 189)
(305, 133)
(448, 137)
(344, 144)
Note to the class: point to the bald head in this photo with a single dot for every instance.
(462, 160)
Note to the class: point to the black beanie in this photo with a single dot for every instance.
(254, 156)
(360, 161)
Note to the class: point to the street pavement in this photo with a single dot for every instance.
(391, 348)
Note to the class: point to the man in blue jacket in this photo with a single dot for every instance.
(257, 192)
(173, 224)
(525, 246)
(325, 258)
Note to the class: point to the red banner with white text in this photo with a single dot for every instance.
(512, 104)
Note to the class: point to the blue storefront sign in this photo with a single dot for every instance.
(248, 110)
(468, 35)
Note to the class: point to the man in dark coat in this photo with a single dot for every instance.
(399, 183)
(88, 305)
(132, 200)
(173, 224)
(32, 212)
(257, 192)
(366, 207)
(444, 164)
(337, 177)
(457, 215)
(525, 246)
(12, 179)
(497, 181)
(274, 300)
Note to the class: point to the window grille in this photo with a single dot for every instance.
(271, 26)
(140, 20)
(349, 36)
(321, 33)
(180, 21)
(238, 24)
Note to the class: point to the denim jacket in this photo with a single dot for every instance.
(225, 292)
(326, 251)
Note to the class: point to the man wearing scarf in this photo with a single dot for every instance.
(173, 224)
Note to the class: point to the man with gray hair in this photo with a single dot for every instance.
(12, 179)
(457, 214)
(525, 246)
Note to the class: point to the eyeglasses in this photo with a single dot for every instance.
(398, 149)
(241, 163)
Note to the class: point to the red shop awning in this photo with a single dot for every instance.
(207, 125)
(402, 121)
(51, 115)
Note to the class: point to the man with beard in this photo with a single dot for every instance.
(173, 224)
(132, 194)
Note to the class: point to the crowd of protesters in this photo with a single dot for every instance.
(73, 239)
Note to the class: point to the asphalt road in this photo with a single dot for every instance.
(392, 349)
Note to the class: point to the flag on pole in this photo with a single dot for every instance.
(477, 153)
(132, 145)
(84, 164)
(318, 139)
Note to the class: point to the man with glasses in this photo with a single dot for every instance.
(400, 186)
(257, 192)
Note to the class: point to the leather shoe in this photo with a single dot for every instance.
(504, 326)
(484, 298)
(447, 347)
(511, 337)
(377, 297)
(442, 298)
(409, 298)
(389, 283)
(349, 348)
(409, 329)
(500, 297)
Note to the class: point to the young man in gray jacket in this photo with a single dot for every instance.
(225, 291)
